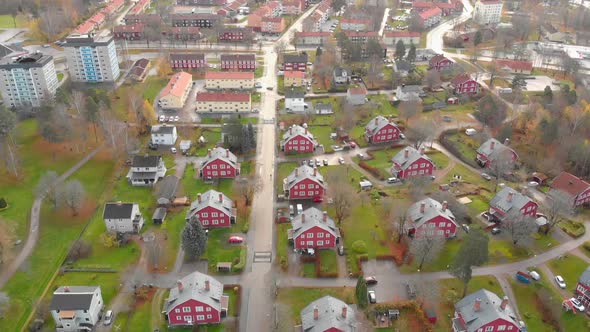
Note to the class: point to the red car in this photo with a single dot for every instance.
(352, 144)
(318, 199)
(235, 239)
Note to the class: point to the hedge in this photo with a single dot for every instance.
(242, 263)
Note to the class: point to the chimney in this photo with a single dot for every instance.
(504, 303)
(66, 289)
(316, 313)
(422, 149)
(180, 286)
(325, 216)
(315, 171)
(226, 153)
(220, 198)
(209, 152)
(507, 141)
(376, 121)
(291, 131)
(207, 285)
(477, 305)
(406, 153)
(510, 195)
(296, 172)
(302, 217)
(445, 206)
(422, 207)
(199, 198)
(492, 143)
(344, 311)
(306, 131)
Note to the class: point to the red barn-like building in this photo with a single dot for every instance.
(304, 183)
(220, 163)
(197, 299)
(238, 62)
(409, 163)
(429, 217)
(582, 291)
(381, 130)
(509, 203)
(214, 210)
(313, 229)
(187, 61)
(493, 151)
(298, 140)
(463, 83)
(440, 62)
(484, 311)
(576, 190)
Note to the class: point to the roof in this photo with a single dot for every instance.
(223, 97)
(186, 56)
(118, 210)
(422, 5)
(585, 277)
(338, 71)
(294, 74)
(502, 202)
(515, 64)
(401, 34)
(410, 88)
(138, 27)
(330, 315)
(163, 129)
(350, 34)
(166, 187)
(461, 78)
(323, 106)
(72, 298)
(232, 75)
(220, 153)
(296, 130)
(432, 209)
(272, 19)
(314, 217)
(413, 155)
(178, 84)
(294, 94)
(438, 58)
(493, 149)
(184, 30)
(238, 57)
(142, 63)
(377, 123)
(194, 289)
(359, 90)
(569, 184)
(303, 172)
(490, 2)
(159, 213)
(312, 34)
(295, 58)
(489, 310)
(211, 199)
(430, 13)
(146, 161)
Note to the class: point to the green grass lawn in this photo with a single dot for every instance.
(308, 270)
(440, 160)
(60, 76)
(322, 135)
(329, 261)
(255, 97)
(149, 89)
(298, 298)
(283, 170)
(466, 145)
(444, 258)
(6, 21)
(570, 268)
(573, 228)
(283, 246)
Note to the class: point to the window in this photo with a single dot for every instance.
(209, 316)
(200, 317)
(215, 222)
(187, 318)
(199, 309)
(489, 328)
(501, 327)
(205, 222)
(310, 186)
(510, 327)
(186, 309)
(310, 193)
(213, 214)
(204, 214)
(310, 243)
(208, 309)
(177, 310)
(302, 193)
(320, 243)
(320, 235)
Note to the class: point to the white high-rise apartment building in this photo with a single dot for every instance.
(487, 11)
(92, 59)
(27, 80)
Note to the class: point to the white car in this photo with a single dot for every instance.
(108, 318)
(577, 304)
(560, 282)
(173, 149)
(372, 296)
(535, 275)
(162, 118)
(176, 118)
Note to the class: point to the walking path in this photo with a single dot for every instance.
(507, 288)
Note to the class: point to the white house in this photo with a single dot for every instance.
(146, 170)
(356, 95)
(295, 101)
(487, 11)
(76, 308)
(341, 75)
(164, 134)
(122, 217)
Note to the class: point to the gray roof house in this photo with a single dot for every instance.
(482, 310)
(313, 221)
(146, 170)
(76, 308)
(212, 201)
(404, 160)
(323, 109)
(122, 217)
(295, 101)
(492, 150)
(196, 290)
(356, 95)
(298, 132)
(328, 314)
(301, 173)
(403, 67)
(164, 134)
(408, 93)
(509, 203)
(341, 75)
(430, 211)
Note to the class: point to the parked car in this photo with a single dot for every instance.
(299, 209)
(176, 118)
(269, 88)
(392, 180)
(235, 239)
(523, 277)
(255, 110)
(318, 199)
(162, 118)
(486, 176)
(535, 275)
(577, 304)
(108, 318)
(361, 156)
(372, 296)
(560, 282)
(173, 149)
(371, 280)
(153, 146)
(411, 291)
(496, 230)
(340, 160)
(303, 162)
(325, 162)
(318, 163)
(311, 163)
(341, 250)
(258, 85)
(402, 136)
(352, 144)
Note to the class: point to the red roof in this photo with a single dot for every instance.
(85, 27)
(129, 28)
(361, 34)
(294, 74)
(570, 184)
(222, 96)
(461, 78)
(422, 5)
(430, 13)
(438, 58)
(515, 64)
(312, 34)
(272, 19)
(178, 84)
(400, 34)
(357, 91)
(233, 75)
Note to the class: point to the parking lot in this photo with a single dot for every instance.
(386, 289)
(328, 26)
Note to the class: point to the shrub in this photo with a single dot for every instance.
(246, 227)
(359, 247)
(3, 204)
(586, 245)
(242, 263)
(374, 171)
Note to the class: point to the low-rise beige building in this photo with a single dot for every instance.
(294, 78)
(174, 95)
(223, 102)
(229, 80)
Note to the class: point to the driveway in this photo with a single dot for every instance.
(388, 287)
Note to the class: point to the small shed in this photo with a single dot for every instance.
(159, 216)
(185, 145)
(366, 185)
(539, 177)
(181, 201)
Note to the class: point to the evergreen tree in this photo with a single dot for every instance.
(361, 292)
(477, 39)
(194, 239)
(318, 52)
(548, 94)
(252, 135)
(518, 83)
(400, 50)
(412, 53)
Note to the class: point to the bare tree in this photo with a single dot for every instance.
(559, 208)
(421, 132)
(409, 109)
(432, 79)
(80, 249)
(73, 195)
(500, 166)
(418, 186)
(78, 101)
(246, 187)
(399, 222)
(47, 187)
(280, 49)
(7, 124)
(519, 227)
(425, 247)
(341, 193)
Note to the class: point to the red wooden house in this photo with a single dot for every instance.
(582, 291)
(510, 204)
(219, 163)
(238, 62)
(463, 83)
(431, 218)
(235, 35)
(187, 61)
(313, 229)
(380, 130)
(409, 163)
(440, 62)
(492, 151)
(129, 32)
(484, 311)
(214, 210)
(196, 299)
(574, 188)
(295, 62)
(298, 140)
(304, 183)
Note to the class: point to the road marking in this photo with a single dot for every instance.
(262, 257)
